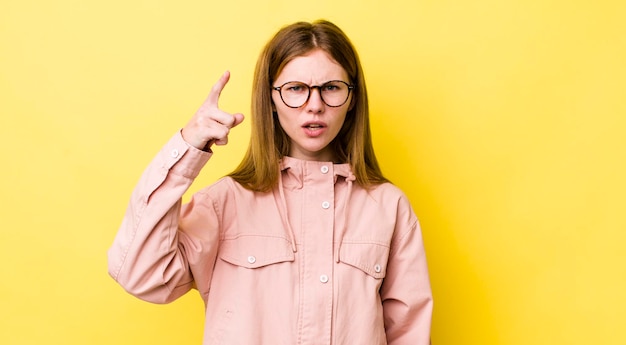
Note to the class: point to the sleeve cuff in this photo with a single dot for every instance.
(183, 159)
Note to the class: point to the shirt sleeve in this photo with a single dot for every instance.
(406, 294)
(150, 258)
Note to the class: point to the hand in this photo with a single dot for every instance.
(210, 125)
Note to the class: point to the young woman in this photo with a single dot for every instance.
(305, 242)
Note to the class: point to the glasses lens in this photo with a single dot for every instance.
(335, 93)
(294, 94)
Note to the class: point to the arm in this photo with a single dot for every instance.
(406, 293)
(154, 248)
(146, 256)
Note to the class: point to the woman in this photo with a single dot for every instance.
(305, 242)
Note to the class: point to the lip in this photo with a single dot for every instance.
(318, 129)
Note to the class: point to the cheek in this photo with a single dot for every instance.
(342, 118)
(283, 119)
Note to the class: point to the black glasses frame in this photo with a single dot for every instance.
(319, 89)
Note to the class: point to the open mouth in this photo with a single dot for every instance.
(313, 126)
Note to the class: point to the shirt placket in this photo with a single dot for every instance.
(317, 280)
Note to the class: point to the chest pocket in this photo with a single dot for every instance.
(256, 251)
(370, 258)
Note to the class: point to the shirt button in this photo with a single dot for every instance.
(325, 205)
(324, 169)
(251, 259)
(324, 278)
(174, 153)
(377, 268)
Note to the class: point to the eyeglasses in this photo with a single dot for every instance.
(295, 94)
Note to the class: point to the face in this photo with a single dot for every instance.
(314, 125)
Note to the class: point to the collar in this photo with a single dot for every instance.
(297, 169)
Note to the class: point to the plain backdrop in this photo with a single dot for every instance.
(503, 121)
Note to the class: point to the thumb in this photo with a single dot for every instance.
(238, 119)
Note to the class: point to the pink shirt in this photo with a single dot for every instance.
(319, 260)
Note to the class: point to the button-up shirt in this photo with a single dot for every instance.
(318, 260)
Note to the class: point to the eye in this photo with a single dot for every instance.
(333, 86)
(295, 88)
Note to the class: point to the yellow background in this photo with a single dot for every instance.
(503, 121)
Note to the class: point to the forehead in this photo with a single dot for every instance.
(313, 68)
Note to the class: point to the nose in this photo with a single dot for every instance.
(315, 103)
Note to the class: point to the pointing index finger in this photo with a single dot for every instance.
(217, 88)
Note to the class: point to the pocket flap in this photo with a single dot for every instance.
(256, 251)
(370, 258)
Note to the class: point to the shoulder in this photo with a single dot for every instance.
(227, 192)
(393, 198)
(385, 200)
(388, 188)
(388, 193)
(222, 188)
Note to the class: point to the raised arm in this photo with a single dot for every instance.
(150, 254)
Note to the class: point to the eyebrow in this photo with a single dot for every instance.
(301, 82)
